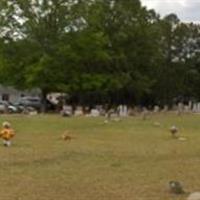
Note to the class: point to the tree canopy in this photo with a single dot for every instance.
(99, 51)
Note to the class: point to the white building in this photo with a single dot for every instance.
(12, 95)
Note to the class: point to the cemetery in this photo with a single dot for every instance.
(99, 99)
(120, 160)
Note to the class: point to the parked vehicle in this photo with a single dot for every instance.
(34, 102)
(7, 107)
(20, 108)
(12, 109)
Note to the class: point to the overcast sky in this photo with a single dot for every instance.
(187, 10)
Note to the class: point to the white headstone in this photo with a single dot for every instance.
(78, 111)
(67, 110)
(186, 109)
(190, 105)
(180, 108)
(145, 114)
(94, 113)
(156, 109)
(166, 108)
(123, 111)
(120, 110)
(194, 109)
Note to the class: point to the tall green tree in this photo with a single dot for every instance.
(35, 30)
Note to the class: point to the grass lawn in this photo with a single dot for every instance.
(128, 160)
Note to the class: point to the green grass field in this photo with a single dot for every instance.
(128, 160)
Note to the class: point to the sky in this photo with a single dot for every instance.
(187, 10)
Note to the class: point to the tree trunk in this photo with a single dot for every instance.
(44, 101)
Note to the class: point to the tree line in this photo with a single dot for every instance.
(99, 51)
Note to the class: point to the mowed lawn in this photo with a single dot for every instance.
(128, 160)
